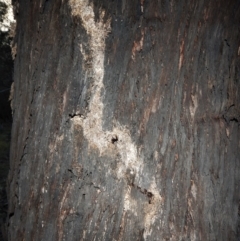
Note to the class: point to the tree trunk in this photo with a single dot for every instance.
(126, 121)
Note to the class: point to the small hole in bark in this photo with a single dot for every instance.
(150, 196)
(114, 139)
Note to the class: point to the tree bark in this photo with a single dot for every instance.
(126, 121)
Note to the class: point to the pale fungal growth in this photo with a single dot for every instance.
(193, 106)
(92, 124)
(151, 211)
(194, 190)
(138, 45)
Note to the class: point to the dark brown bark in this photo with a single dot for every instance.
(126, 121)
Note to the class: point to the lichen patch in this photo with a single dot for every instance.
(152, 210)
(193, 106)
(92, 124)
(138, 45)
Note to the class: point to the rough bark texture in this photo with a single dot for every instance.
(126, 121)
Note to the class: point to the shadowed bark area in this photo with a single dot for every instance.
(6, 72)
(126, 121)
